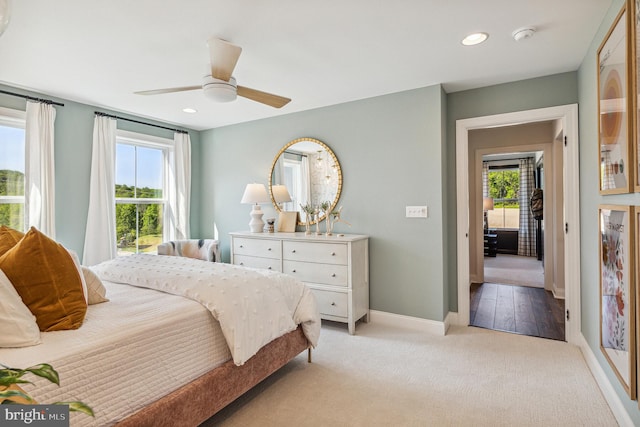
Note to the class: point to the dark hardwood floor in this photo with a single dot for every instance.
(517, 309)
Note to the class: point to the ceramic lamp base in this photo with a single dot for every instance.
(256, 224)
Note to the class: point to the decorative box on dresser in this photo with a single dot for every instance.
(336, 268)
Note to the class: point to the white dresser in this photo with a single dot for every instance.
(335, 267)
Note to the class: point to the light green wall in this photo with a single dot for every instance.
(73, 139)
(590, 198)
(390, 151)
(542, 92)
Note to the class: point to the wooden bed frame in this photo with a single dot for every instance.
(194, 403)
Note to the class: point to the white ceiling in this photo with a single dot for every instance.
(318, 54)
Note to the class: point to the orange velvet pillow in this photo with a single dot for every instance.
(8, 238)
(45, 276)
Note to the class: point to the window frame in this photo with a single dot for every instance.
(165, 145)
(10, 117)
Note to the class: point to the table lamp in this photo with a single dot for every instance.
(487, 205)
(280, 194)
(255, 194)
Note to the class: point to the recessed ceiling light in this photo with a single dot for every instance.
(475, 38)
(190, 110)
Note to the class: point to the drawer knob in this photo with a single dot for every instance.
(268, 249)
(293, 251)
(333, 254)
(269, 268)
(333, 304)
(293, 271)
(241, 246)
(242, 263)
(333, 275)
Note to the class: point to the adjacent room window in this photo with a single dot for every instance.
(12, 168)
(140, 191)
(504, 187)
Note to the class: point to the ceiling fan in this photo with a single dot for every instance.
(220, 85)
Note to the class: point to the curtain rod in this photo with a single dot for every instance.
(31, 98)
(98, 113)
(507, 160)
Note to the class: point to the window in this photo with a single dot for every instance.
(292, 180)
(504, 187)
(140, 191)
(12, 168)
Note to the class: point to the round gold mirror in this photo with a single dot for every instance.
(305, 172)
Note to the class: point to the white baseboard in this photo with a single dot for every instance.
(407, 322)
(618, 409)
(558, 293)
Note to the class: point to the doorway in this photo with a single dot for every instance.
(511, 296)
(568, 207)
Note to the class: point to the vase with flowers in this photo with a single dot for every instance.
(324, 207)
(309, 211)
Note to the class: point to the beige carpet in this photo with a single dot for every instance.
(385, 376)
(514, 270)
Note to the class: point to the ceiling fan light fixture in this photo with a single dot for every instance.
(220, 90)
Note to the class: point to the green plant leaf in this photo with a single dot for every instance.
(45, 370)
(6, 394)
(77, 407)
(10, 376)
(13, 380)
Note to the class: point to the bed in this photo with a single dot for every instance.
(162, 351)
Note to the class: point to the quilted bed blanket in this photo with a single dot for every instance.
(252, 306)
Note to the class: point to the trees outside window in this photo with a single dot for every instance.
(12, 168)
(504, 187)
(140, 195)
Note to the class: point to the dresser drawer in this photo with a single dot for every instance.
(257, 247)
(331, 303)
(326, 253)
(328, 274)
(257, 262)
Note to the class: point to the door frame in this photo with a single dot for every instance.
(568, 115)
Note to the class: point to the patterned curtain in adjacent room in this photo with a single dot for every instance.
(526, 233)
(485, 179)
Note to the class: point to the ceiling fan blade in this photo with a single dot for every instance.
(263, 97)
(168, 90)
(223, 56)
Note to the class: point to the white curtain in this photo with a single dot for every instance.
(305, 188)
(526, 233)
(176, 218)
(100, 237)
(40, 171)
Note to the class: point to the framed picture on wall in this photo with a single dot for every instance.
(633, 10)
(614, 123)
(617, 292)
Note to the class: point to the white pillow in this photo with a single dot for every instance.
(18, 327)
(95, 289)
(76, 261)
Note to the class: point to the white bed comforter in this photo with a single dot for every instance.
(252, 306)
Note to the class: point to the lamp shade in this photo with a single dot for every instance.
(255, 193)
(280, 194)
(487, 204)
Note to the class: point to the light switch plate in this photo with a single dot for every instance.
(416, 212)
